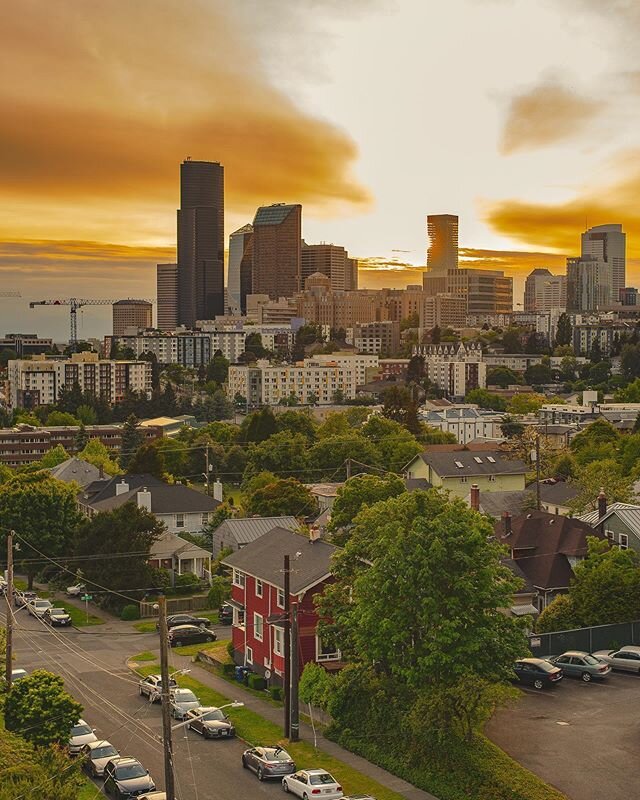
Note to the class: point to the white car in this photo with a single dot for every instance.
(151, 687)
(182, 700)
(37, 607)
(310, 783)
(16, 674)
(76, 590)
(626, 658)
(96, 755)
(81, 734)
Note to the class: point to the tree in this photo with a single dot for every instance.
(526, 403)
(62, 419)
(258, 426)
(253, 344)
(395, 445)
(485, 399)
(559, 615)
(327, 456)
(523, 445)
(503, 377)
(597, 475)
(630, 393)
(96, 453)
(630, 361)
(564, 332)
(218, 367)
(431, 435)
(39, 709)
(537, 374)
(510, 427)
(122, 540)
(399, 405)
(70, 398)
(132, 438)
(148, 459)
(595, 353)
(599, 373)
(297, 422)
(283, 497)
(357, 493)
(43, 513)
(415, 369)
(283, 453)
(568, 368)
(600, 432)
(416, 594)
(511, 341)
(81, 439)
(54, 457)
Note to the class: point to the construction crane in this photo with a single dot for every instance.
(74, 304)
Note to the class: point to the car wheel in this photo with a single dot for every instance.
(305, 796)
(260, 774)
(209, 639)
(177, 643)
(202, 625)
(285, 787)
(140, 692)
(538, 683)
(586, 677)
(244, 763)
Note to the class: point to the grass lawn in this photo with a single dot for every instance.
(145, 627)
(146, 655)
(79, 617)
(88, 791)
(256, 730)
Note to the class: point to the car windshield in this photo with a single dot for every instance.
(184, 696)
(322, 779)
(277, 755)
(129, 771)
(80, 730)
(589, 659)
(213, 715)
(103, 752)
(58, 612)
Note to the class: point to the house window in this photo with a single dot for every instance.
(179, 520)
(238, 618)
(205, 518)
(326, 653)
(239, 578)
(280, 600)
(258, 588)
(257, 627)
(278, 641)
(492, 478)
(249, 656)
(623, 541)
(464, 479)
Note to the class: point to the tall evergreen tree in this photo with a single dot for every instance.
(564, 333)
(82, 438)
(132, 439)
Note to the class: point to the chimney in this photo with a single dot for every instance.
(217, 491)
(506, 522)
(101, 473)
(475, 497)
(602, 504)
(144, 498)
(314, 534)
(122, 487)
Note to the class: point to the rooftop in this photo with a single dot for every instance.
(475, 462)
(248, 529)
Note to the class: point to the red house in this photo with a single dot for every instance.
(258, 594)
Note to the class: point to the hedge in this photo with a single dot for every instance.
(256, 681)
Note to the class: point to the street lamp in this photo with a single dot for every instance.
(235, 704)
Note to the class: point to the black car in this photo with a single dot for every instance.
(210, 722)
(268, 762)
(57, 616)
(225, 615)
(189, 634)
(126, 777)
(537, 672)
(185, 619)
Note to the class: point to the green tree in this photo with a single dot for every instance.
(502, 376)
(565, 466)
(599, 373)
(69, 398)
(148, 459)
(132, 439)
(568, 368)
(395, 445)
(595, 353)
(597, 433)
(173, 454)
(538, 373)
(357, 493)
(630, 361)
(526, 403)
(564, 331)
(629, 454)
(510, 427)
(297, 422)
(327, 456)
(62, 419)
(43, 513)
(601, 474)
(400, 406)
(629, 393)
(81, 439)
(39, 709)
(54, 457)
(218, 368)
(283, 454)
(485, 399)
(431, 435)
(236, 463)
(511, 341)
(559, 615)
(258, 426)
(283, 497)
(96, 453)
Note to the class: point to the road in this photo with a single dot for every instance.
(93, 665)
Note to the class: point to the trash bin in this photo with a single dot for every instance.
(239, 674)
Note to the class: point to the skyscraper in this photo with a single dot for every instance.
(277, 231)
(442, 233)
(331, 260)
(239, 269)
(544, 291)
(607, 243)
(167, 294)
(131, 314)
(200, 241)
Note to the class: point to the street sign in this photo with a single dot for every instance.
(86, 597)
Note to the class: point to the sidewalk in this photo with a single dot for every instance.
(274, 714)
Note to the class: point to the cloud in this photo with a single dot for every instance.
(544, 115)
(105, 100)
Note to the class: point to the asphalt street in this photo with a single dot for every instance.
(93, 665)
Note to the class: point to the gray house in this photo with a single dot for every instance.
(234, 534)
(620, 524)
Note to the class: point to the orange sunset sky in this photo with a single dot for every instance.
(520, 116)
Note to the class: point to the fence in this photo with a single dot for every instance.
(176, 605)
(600, 637)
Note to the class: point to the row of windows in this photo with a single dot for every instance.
(239, 579)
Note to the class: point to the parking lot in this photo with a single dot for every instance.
(584, 738)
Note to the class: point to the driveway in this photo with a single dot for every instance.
(582, 738)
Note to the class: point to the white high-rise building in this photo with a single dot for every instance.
(544, 291)
(239, 271)
(607, 244)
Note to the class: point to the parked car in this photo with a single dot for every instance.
(151, 686)
(189, 634)
(37, 607)
(210, 722)
(95, 756)
(81, 734)
(16, 674)
(579, 664)
(126, 777)
(626, 658)
(268, 762)
(56, 617)
(153, 796)
(537, 672)
(225, 615)
(312, 782)
(76, 590)
(22, 598)
(185, 619)
(182, 700)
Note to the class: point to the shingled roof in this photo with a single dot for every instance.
(476, 462)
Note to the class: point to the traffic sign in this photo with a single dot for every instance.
(86, 597)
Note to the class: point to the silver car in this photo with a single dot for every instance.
(96, 755)
(182, 700)
(579, 664)
(626, 658)
(81, 734)
(37, 607)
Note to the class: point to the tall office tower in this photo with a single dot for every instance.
(353, 274)
(608, 244)
(167, 294)
(442, 232)
(200, 241)
(131, 314)
(331, 260)
(277, 231)
(544, 291)
(588, 284)
(239, 269)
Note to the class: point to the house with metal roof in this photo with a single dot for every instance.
(234, 534)
(76, 470)
(620, 524)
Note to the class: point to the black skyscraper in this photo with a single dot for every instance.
(200, 241)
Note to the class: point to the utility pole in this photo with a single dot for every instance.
(294, 732)
(348, 468)
(9, 599)
(206, 455)
(287, 647)
(166, 708)
(538, 472)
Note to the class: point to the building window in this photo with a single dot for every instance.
(238, 618)
(325, 653)
(179, 520)
(492, 478)
(464, 479)
(278, 641)
(623, 541)
(239, 578)
(258, 588)
(280, 600)
(258, 627)
(249, 656)
(205, 518)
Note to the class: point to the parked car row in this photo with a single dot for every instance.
(42, 609)
(543, 672)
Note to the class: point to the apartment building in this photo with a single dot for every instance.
(25, 344)
(455, 368)
(379, 338)
(544, 291)
(443, 311)
(466, 422)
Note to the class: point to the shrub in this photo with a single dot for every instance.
(229, 669)
(187, 583)
(130, 612)
(219, 591)
(559, 615)
(315, 685)
(276, 692)
(160, 578)
(230, 648)
(256, 681)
